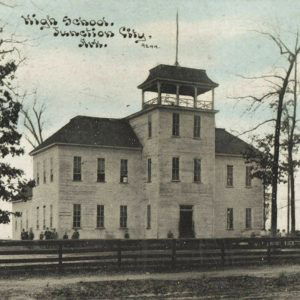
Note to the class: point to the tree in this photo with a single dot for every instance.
(291, 145)
(261, 159)
(12, 183)
(34, 122)
(276, 96)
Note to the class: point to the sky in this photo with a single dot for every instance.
(218, 36)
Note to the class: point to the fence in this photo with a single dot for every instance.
(158, 253)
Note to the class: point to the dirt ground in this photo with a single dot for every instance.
(266, 282)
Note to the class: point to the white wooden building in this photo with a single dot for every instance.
(164, 169)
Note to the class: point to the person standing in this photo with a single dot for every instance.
(31, 235)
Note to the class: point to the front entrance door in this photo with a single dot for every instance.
(186, 226)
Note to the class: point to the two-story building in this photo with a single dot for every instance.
(165, 169)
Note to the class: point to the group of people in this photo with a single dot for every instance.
(25, 235)
(48, 235)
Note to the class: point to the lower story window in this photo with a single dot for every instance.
(100, 216)
(248, 218)
(76, 215)
(229, 218)
(148, 216)
(123, 216)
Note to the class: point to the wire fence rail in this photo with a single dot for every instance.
(65, 254)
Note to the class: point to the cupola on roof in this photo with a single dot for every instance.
(171, 75)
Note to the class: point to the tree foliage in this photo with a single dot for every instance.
(12, 183)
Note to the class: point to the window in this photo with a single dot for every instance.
(197, 126)
(37, 218)
(100, 216)
(149, 126)
(248, 176)
(197, 170)
(38, 174)
(175, 168)
(101, 170)
(149, 169)
(175, 127)
(16, 224)
(51, 169)
(51, 216)
(76, 215)
(22, 223)
(229, 175)
(77, 168)
(44, 172)
(229, 218)
(44, 217)
(148, 216)
(248, 218)
(123, 216)
(124, 171)
(26, 219)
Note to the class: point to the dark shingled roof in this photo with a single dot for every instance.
(227, 143)
(92, 131)
(177, 74)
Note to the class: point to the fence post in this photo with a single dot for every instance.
(222, 253)
(119, 253)
(60, 257)
(174, 253)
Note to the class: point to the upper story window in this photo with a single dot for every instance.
(124, 171)
(77, 168)
(38, 173)
(248, 176)
(100, 216)
(197, 170)
(248, 218)
(175, 168)
(229, 175)
(101, 170)
(176, 124)
(197, 126)
(76, 215)
(123, 216)
(51, 169)
(149, 126)
(149, 167)
(44, 172)
(229, 218)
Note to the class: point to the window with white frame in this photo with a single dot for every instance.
(248, 176)
(124, 171)
(101, 170)
(248, 218)
(176, 124)
(197, 170)
(229, 218)
(197, 126)
(123, 216)
(77, 168)
(100, 216)
(76, 215)
(175, 168)
(229, 176)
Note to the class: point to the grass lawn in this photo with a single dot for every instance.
(234, 287)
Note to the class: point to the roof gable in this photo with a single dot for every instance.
(92, 131)
(226, 143)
